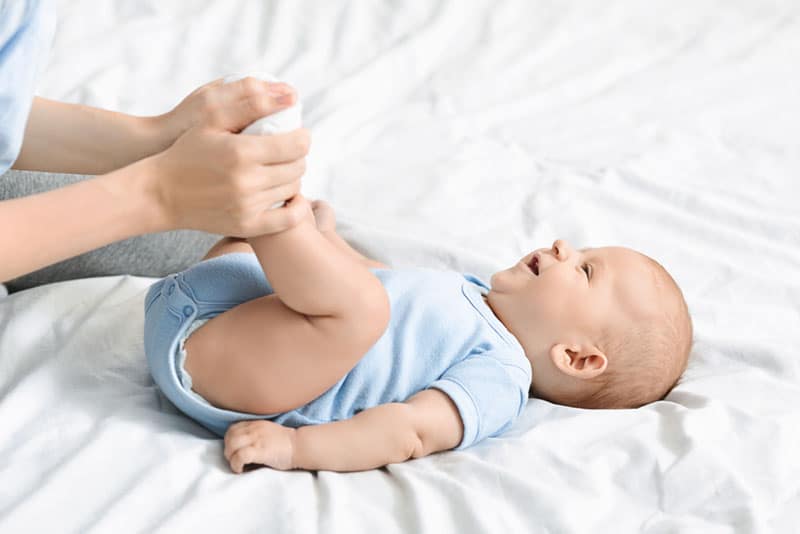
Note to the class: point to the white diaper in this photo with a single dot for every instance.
(183, 375)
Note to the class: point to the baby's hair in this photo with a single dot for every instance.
(646, 359)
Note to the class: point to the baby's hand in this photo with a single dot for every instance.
(324, 216)
(259, 442)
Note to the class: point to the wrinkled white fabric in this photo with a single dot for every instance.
(457, 134)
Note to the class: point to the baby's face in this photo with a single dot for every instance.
(560, 295)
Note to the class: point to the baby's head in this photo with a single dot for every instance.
(602, 327)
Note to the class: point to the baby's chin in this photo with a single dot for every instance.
(492, 280)
(506, 281)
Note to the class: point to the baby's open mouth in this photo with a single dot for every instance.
(534, 265)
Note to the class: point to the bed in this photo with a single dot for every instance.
(455, 135)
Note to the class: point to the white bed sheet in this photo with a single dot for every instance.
(458, 135)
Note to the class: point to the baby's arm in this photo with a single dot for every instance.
(390, 433)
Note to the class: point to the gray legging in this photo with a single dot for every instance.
(148, 255)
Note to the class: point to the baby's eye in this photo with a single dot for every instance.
(588, 270)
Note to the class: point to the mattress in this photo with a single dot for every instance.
(456, 135)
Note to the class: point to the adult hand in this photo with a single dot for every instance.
(209, 179)
(219, 105)
(225, 183)
(214, 180)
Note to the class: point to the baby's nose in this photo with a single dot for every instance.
(561, 249)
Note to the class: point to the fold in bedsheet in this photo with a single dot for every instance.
(456, 135)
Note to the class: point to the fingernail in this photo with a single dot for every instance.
(284, 100)
(278, 89)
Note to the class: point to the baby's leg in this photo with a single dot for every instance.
(228, 245)
(280, 351)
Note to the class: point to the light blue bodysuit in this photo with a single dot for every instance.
(441, 335)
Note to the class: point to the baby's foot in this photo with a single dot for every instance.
(324, 216)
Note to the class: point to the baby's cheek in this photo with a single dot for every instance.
(554, 309)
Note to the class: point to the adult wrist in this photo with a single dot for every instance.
(141, 181)
(159, 131)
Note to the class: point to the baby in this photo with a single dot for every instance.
(304, 354)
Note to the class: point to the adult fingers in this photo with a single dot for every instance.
(214, 83)
(274, 149)
(249, 99)
(268, 177)
(269, 197)
(271, 221)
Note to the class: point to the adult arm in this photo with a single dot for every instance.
(209, 179)
(428, 422)
(44, 228)
(79, 139)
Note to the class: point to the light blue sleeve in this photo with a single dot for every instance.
(489, 391)
(26, 34)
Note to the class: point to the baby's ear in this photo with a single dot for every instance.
(579, 361)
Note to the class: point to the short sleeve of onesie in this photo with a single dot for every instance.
(489, 392)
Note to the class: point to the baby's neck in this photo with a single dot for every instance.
(486, 300)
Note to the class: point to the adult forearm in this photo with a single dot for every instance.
(48, 227)
(372, 438)
(74, 138)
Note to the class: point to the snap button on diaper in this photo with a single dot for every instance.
(187, 310)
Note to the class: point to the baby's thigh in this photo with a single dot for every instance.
(262, 357)
(228, 245)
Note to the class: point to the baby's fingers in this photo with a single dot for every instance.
(237, 436)
(235, 442)
(240, 458)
